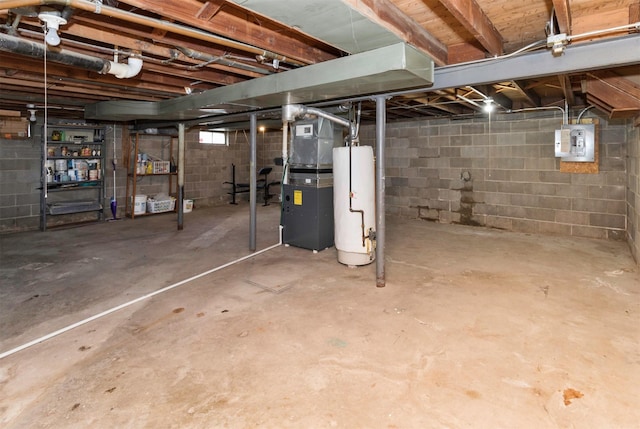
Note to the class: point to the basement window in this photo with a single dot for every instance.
(213, 137)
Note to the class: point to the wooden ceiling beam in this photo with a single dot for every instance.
(147, 90)
(595, 18)
(634, 13)
(210, 9)
(567, 89)
(62, 87)
(453, 109)
(266, 36)
(563, 15)
(464, 52)
(473, 18)
(100, 31)
(617, 96)
(388, 15)
(175, 69)
(499, 98)
(163, 84)
(523, 88)
(617, 82)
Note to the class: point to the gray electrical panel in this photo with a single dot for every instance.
(575, 143)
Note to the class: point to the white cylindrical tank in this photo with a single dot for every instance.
(348, 230)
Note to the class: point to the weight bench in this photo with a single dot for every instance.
(240, 188)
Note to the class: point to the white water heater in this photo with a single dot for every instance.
(354, 204)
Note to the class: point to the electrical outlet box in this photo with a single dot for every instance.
(576, 143)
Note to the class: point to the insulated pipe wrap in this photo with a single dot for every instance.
(28, 48)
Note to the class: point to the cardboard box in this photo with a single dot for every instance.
(14, 128)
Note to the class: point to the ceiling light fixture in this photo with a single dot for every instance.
(52, 20)
(489, 106)
(31, 108)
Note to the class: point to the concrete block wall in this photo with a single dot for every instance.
(268, 147)
(156, 146)
(207, 167)
(19, 180)
(502, 173)
(633, 191)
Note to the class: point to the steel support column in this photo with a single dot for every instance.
(381, 127)
(180, 176)
(252, 181)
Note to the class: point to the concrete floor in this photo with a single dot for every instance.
(476, 328)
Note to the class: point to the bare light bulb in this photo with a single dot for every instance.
(31, 108)
(53, 20)
(52, 37)
(488, 105)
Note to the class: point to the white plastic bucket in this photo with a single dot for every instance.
(187, 206)
(140, 204)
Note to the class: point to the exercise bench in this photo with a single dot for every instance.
(240, 188)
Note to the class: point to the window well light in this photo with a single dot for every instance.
(53, 20)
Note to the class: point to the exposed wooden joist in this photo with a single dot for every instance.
(86, 28)
(563, 15)
(210, 9)
(234, 27)
(15, 91)
(565, 84)
(473, 18)
(634, 13)
(389, 16)
(522, 87)
(401, 110)
(152, 78)
(158, 86)
(463, 52)
(599, 19)
(452, 109)
(74, 89)
(617, 96)
(499, 98)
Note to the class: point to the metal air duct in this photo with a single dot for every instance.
(385, 69)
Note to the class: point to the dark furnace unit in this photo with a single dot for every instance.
(307, 204)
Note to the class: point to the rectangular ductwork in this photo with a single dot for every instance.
(385, 69)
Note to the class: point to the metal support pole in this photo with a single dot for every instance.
(381, 126)
(180, 176)
(252, 182)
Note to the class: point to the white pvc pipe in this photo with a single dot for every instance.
(127, 304)
(125, 71)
